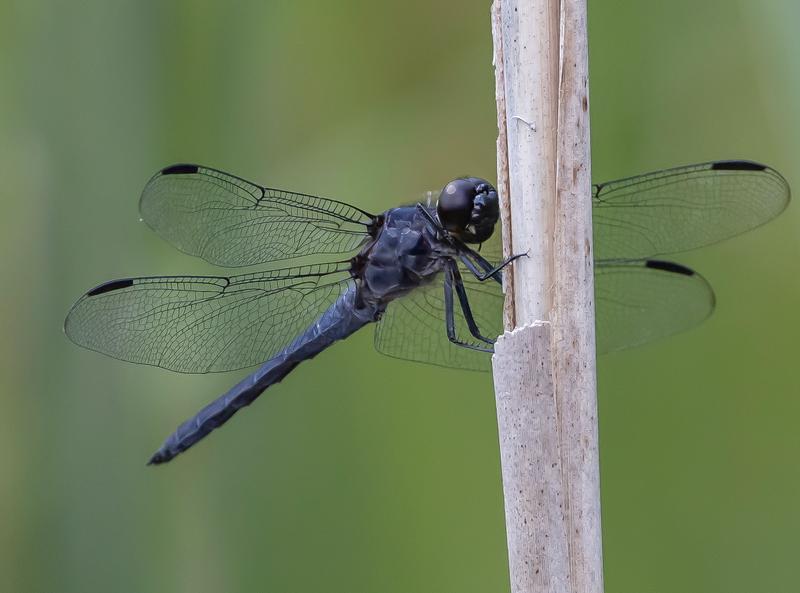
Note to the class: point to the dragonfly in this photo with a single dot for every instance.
(428, 274)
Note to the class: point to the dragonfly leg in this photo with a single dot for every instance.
(435, 225)
(449, 313)
(465, 308)
(488, 270)
(465, 259)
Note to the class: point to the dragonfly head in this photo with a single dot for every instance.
(468, 207)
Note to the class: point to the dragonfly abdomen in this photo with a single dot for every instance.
(347, 315)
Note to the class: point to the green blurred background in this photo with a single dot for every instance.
(359, 472)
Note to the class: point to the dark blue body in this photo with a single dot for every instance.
(405, 237)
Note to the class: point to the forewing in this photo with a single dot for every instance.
(413, 326)
(204, 324)
(232, 222)
(641, 301)
(684, 208)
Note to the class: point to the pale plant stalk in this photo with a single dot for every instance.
(544, 364)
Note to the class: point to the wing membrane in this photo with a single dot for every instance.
(232, 222)
(683, 208)
(204, 324)
(197, 324)
(413, 326)
(642, 301)
(637, 302)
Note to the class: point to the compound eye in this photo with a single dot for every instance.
(455, 205)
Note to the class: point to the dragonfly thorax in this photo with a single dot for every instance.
(403, 255)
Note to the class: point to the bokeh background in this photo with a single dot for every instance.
(359, 472)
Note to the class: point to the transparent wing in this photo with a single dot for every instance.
(641, 301)
(637, 302)
(204, 324)
(684, 208)
(232, 222)
(413, 326)
(638, 299)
